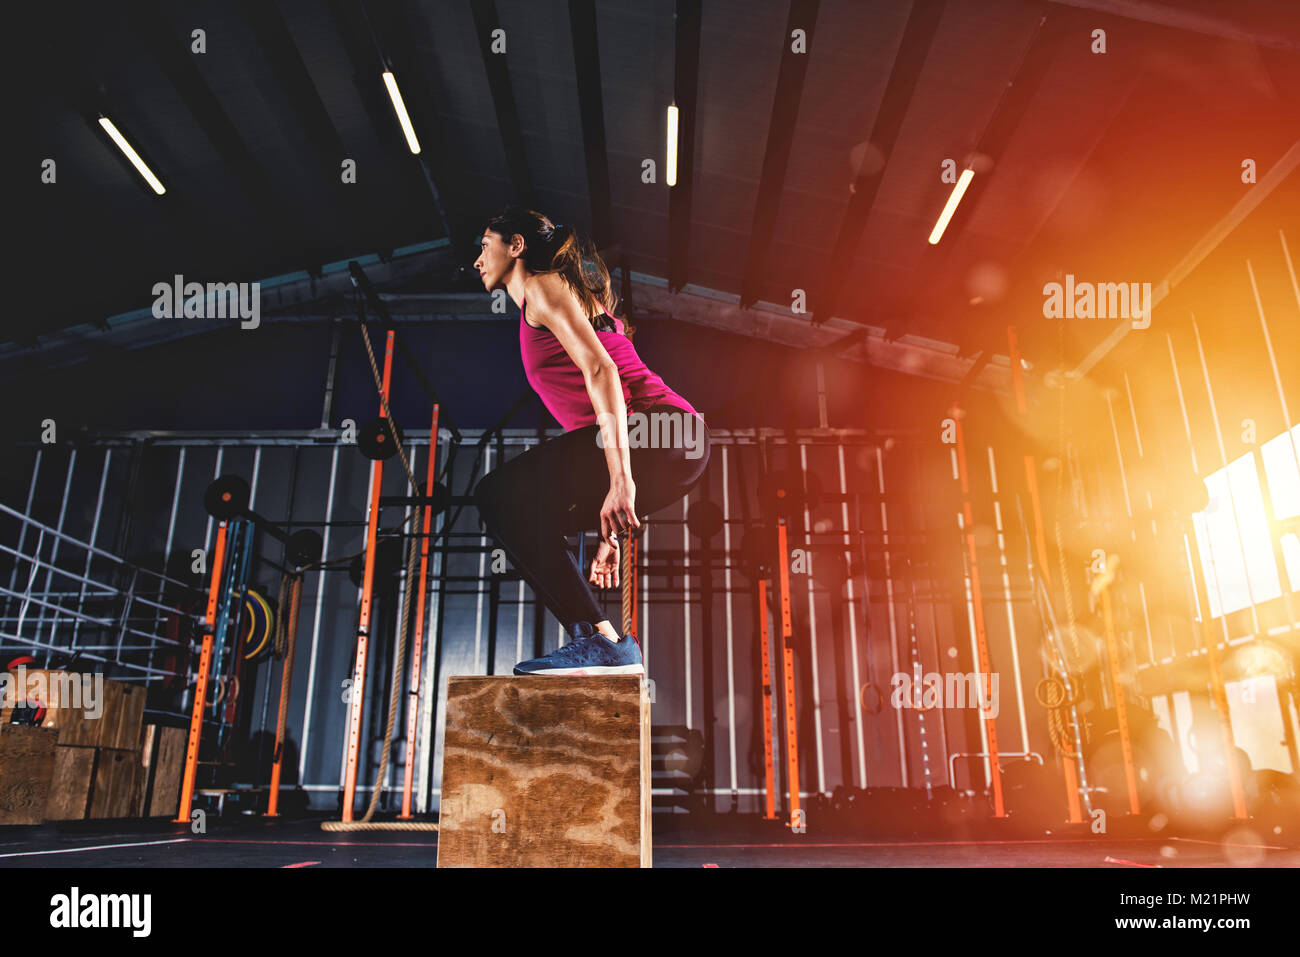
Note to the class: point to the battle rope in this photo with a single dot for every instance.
(625, 561)
(286, 639)
(1051, 694)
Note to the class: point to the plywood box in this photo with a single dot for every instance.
(114, 787)
(26, 767)
(162, 762)
(123, 715)
(69, 797)
(546, 772)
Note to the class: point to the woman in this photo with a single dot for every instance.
(582, 365)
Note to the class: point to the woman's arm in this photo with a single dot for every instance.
(556, 308)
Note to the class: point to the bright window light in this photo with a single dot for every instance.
(1280, 457)
(1233, 533)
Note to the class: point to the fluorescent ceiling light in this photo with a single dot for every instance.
(132, 155)
(958, 192)
(395, 95)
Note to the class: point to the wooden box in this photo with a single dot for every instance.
(162, 761)
(69, 798)
(113, 792)
(26, 767)
(123, 715)
(546, 772)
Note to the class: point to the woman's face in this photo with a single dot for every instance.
(495, 259)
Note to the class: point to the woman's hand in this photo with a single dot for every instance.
(604, 567)
(618, 514)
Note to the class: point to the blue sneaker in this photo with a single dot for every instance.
(592, 655)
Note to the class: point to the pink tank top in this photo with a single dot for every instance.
(556, 378)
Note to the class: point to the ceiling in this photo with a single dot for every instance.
(816, 171)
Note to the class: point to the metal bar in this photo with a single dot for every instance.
(216, 473)
(812, 631)
(1006, 597)
(363, 631)
(25, 518)
(94, 533)
(171, 531)
(686, 608)
(417, 644)
(54, 547)
(482, 571)
(977, 599)
(787, 669)
(201, 691)
(316, 618)
(952, 759)
(731, 657)
(893, 621)
(1121, 705)
(853, 617)
(769, 784)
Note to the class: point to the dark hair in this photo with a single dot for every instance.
(561, 249)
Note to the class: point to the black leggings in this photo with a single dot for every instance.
(557, 488)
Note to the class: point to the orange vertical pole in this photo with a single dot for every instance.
(417, 650)
(363, 628)
(977, 600)
(286, 679)
(1072, 789)
(201, 687)
(787, 644)
(1121, 706)
(769, 786)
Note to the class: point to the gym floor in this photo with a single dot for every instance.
(301, 843)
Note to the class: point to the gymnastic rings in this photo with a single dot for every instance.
(1051, 693)
(879, 704)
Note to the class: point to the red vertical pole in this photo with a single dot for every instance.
(413, 693)
(769, 786)
(363, 628)
(201, 687)
(787, 663)
(977, 599)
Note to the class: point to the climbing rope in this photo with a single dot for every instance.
(399, 677)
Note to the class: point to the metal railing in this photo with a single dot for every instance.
(74, 600)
